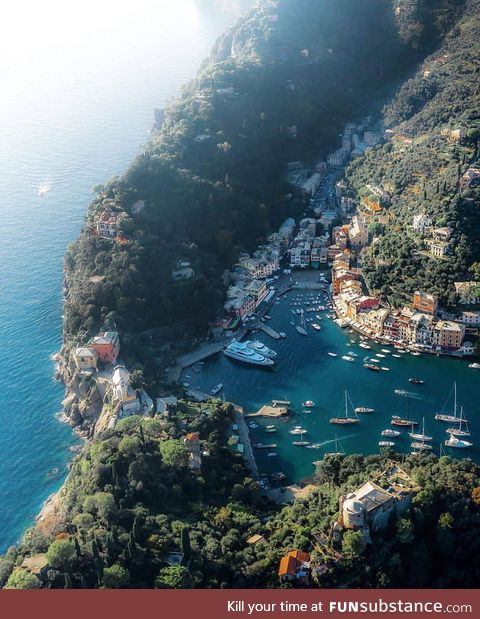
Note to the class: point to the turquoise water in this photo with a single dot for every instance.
(76, 105)
(304, 371)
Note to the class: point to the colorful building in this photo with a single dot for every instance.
(295, 566)
(106, 345)
(424, 302)
(85, 358)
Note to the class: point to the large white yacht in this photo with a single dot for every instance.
(242, 352)
(261, 348)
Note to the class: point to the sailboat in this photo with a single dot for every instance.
(420, 436)
(462, 429)
(404, 421)
(450, 418)
(301, 442)
(302, 327)
(337, 452)
(346, 419)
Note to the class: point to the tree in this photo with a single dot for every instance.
(115, 577)
(60, 552)
(21, 579)
(173, 577)
(353, 544)
(405, 531)
(174, 453)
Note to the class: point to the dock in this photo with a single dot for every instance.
(281, 403)
(270, 411)
(239, 419)
(269, 331)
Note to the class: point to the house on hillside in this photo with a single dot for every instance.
(106, 345)
(422, 223)
(295, 566)
(85, 358)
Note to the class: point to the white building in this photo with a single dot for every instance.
(123, 393)
(422, 223)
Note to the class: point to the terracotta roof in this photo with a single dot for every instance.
(193, 436)
(303, 557)
(288, 566)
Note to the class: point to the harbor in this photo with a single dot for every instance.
(320, 367)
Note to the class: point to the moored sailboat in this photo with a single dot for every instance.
(302, 327)
(404, 422)
(463, 429)
(346, 420)
(420, 436)
(446, 417)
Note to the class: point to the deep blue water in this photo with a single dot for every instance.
(74, 110)
(304, 371)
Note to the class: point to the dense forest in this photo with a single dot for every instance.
(421, 167)
(132, 514)
(212, 176)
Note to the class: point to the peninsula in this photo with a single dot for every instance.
(184, 248)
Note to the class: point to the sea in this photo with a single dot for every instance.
(305, 371)
(78, 93)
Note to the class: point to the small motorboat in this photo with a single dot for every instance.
(386, 443)
(216, 389)
(308, 404)
(364, 409)
(416, 381)
(372, 367)
(332, 354)
(390, 432)
(453, 441)
(474, 366)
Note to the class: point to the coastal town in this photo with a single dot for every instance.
(331, 239)
(335, 233)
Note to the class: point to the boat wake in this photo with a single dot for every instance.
(409, 394)
(332, 440)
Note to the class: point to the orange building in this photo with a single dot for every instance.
(294, 566)
(106, 345)
(425, 303)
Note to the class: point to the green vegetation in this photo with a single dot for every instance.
(421, 168)
(130, 519)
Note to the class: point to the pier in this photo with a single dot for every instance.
(270, 411)
(239, 419)
(269, 331)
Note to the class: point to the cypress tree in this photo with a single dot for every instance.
(77, 547)
(185, 543)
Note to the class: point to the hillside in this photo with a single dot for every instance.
(210, 181)
(435, 129)
(133, 514)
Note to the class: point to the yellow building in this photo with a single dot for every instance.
(448, 334)
(85, 358)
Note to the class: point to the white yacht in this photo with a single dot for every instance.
(241, 352)
(261, 348)
(453, 441)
